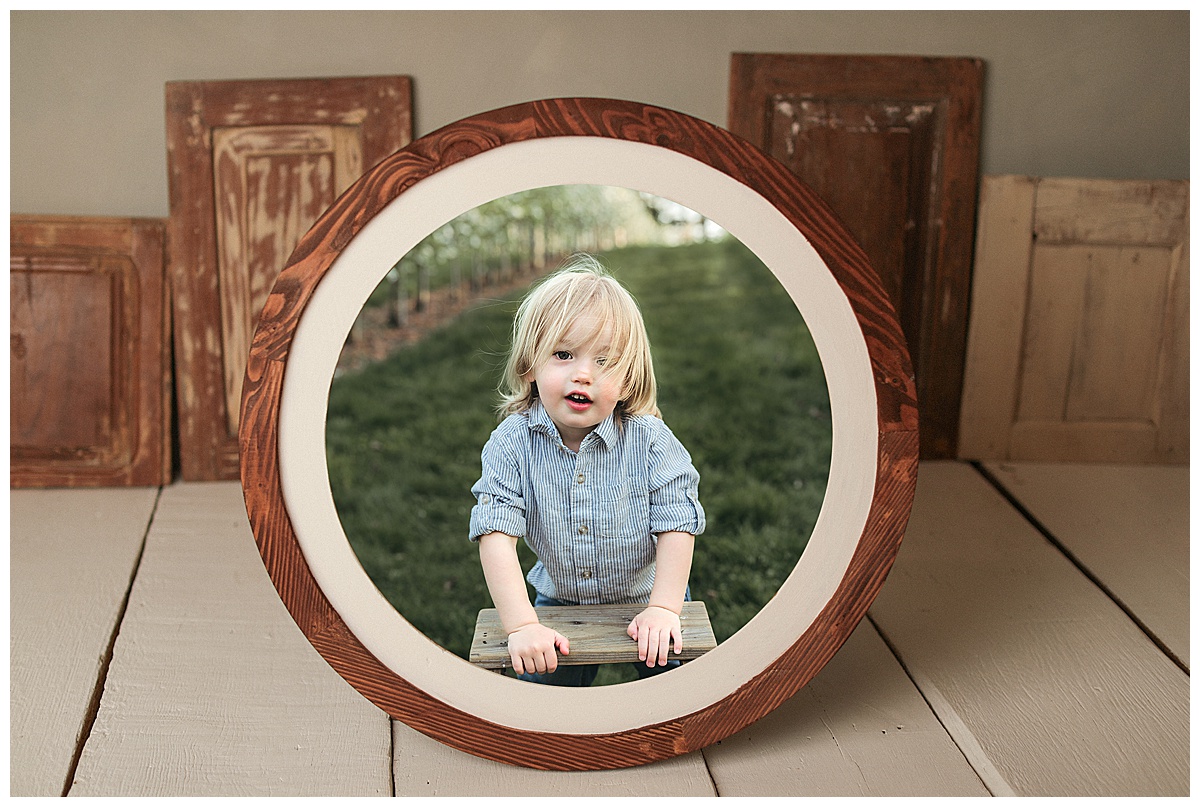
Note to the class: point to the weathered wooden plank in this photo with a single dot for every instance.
(1112, 211)
(425, 767)
(238, 206)
(1052, 328)
(1003, 254)
(72, 555)
(596, 632)
(1127, 525)
(1079, 311)
(1048, 687)
(891, 143)
(859, 728)
(89, 367)
(1053, 441)
(213, 690)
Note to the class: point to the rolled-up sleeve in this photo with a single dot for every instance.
(674, 487)
(499, 503)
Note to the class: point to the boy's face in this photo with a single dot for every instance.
(573, 387)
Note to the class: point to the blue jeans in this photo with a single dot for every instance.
(582, 675)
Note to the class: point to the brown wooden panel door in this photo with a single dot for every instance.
(892, 144)
(1079, 337)
(252, 166)
(89, 375)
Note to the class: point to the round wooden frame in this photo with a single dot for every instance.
(889, 485)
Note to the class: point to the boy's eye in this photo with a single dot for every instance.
(603, 360)
(562, 355)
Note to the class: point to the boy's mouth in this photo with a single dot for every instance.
(578, 401)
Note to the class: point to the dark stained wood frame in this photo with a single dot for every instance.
(380, 105)
(936, 324)
(897, 446)
(132, 253)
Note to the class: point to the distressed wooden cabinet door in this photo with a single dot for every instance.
(252, 166)
(892, 144)
(1079, 333)
(89, 375)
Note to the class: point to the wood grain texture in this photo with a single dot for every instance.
(72, 556)
(897, 423)
(212, 690)
(251, 164)
(1079, 346)
(891, 143)
(89, 357)
(1046, 685)
(597, 634)
(860, 728)
(1128, 525)
(1002, 252)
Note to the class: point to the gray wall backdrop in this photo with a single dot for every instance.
(1067, 93)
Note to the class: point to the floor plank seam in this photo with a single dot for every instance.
(708, 769)
(89, 718)
(392, 754)
(989, 777)
(1045, 532)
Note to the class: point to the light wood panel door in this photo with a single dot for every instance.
(1079, 333)
(252, 166)
(892, 144)
(89, 375)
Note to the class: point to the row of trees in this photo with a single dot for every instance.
(524, 234)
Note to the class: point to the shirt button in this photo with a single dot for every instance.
(583, 529)
(485, 499)
(579, 479)
(586, 574)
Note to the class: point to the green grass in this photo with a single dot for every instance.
(740, 384)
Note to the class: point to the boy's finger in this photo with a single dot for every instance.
(677, 635)
(551, 661)
(564, 644)
(643, 643)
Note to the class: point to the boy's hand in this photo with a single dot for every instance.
(654, 629)
(531, 648)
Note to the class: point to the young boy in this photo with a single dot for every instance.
(583, 468)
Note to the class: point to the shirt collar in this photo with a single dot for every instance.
(539, 421)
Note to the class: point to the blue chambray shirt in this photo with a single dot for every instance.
(590, 517)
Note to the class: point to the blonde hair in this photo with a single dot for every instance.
(582, 287)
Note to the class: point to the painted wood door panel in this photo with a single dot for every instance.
(892, 144)
(212, 690)
(252, 165)
(1045, 683)
(1078, 345)
(270, 184)
(89, 373)
(1128, 525)
(72, 554)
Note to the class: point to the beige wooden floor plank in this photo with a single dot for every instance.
(860, 728)
(1049, 686)
(213, 690)
(72, 554)
(425, 767)
(1127, 525)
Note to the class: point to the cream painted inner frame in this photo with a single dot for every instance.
(427, 205)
